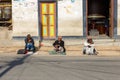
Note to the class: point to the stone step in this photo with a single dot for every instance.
(70, 50)
(81, 41)
(68, 42)
(77, 50)
(80, 47)
(15, 43)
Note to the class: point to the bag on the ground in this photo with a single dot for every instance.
(21, 51)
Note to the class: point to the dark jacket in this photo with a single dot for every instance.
(61, 43)
(26, 41)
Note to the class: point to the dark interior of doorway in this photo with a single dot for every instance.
(98, 17)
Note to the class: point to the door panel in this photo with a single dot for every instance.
(48, 20)
(44, 8)
(51, 19)
(44, 31)
(51, 8)
(44, 20)
(52, 31)
(52, 25)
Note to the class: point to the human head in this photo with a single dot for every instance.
(89, 40)
(28, 36)
(59, 38)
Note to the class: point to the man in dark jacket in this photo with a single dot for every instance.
(29, 44)
(59, 45)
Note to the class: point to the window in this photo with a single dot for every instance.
(6, 13)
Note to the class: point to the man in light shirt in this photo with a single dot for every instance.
(89, 47)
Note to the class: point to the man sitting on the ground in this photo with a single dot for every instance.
(29, 44)
(89, 47)
(59, 45)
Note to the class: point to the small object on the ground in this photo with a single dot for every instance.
(21, 51)
(29, 52)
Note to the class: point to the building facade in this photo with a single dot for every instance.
(47, 19)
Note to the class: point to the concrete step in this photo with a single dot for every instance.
(78, 41)
(15, 43)
(5, 33)
(70, 50)
(68, 42)
(80, 47)
(77, 50)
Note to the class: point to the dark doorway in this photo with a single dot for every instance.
(100, 18)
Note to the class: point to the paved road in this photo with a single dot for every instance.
(29, 67)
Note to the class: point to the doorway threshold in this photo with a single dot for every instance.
(103, 36)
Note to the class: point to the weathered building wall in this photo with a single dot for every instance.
(118, 22)
(70, 18)
(25, 17)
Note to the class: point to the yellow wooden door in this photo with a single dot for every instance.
(48, 20)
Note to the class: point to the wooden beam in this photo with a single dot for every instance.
(6, 5)
(10, 21)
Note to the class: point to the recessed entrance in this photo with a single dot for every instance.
(100, 18)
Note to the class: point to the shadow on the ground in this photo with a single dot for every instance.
(22, 51)
(12, 64)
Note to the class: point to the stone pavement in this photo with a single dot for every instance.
(74, 50)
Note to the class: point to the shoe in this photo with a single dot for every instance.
(26, 52)
(95, 53)
(84, 52)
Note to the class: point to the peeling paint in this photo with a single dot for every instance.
(70, 18)
(25, 16)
